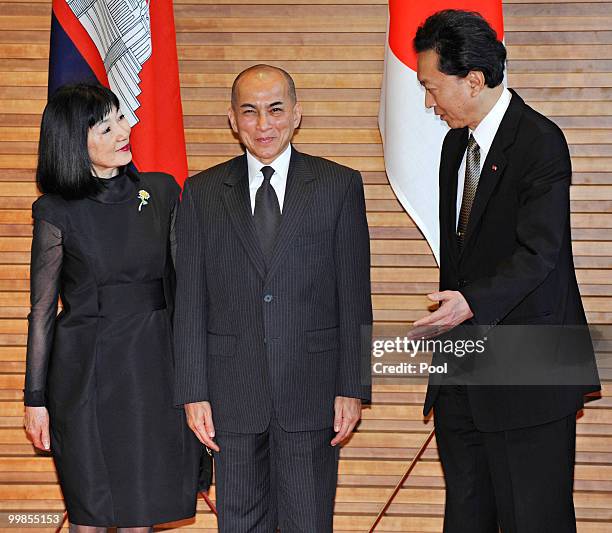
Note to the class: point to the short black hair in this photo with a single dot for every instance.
(64, 166)
(464, 41)
(262, 66)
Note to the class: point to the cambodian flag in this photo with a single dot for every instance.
(412, 135)
(129, 46)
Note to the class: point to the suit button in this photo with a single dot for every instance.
(268, 298)
(462, 283)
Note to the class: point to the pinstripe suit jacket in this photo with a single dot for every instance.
(285, 337)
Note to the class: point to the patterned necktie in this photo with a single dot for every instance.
(267, 215)
(472, 175)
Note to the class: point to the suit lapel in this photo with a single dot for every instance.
(495, 164)
(297, 197)
(238, 203)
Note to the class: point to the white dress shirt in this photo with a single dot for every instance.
(278, 180)
(484, 135)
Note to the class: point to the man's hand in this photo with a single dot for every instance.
(200, 420)
(36, 423)
(453, 310)
(347, 414)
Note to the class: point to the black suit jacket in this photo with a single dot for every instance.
(516, 264)
(252, 338)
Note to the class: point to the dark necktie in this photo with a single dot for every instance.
(472, 175)
(267, 215)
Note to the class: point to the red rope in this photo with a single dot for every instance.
(209, 502)
(62, 522)
(404, 478)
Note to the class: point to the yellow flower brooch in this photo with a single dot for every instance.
(143, 196)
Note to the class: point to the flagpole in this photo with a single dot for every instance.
(403, 480)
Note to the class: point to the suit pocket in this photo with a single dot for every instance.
(224, 345)
(322, 340)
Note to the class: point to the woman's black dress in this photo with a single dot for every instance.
(103, 367)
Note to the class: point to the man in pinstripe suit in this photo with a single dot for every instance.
(273, 293)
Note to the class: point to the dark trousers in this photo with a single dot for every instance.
(276, 479)
(520, 480)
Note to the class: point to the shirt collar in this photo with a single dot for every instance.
(486, 130)
(280, 165)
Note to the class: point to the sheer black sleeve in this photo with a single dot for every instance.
(45, 268)
(173, 232)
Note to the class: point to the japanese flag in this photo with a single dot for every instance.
(412, 135)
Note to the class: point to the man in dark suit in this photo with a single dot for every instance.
(273, 293)
(505, 258)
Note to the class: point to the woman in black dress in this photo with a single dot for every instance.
(98, 375)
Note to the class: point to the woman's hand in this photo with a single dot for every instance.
(36, 422)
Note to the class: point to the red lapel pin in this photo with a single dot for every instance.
(494, 168)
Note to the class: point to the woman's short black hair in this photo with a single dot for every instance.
(464, 41)
(64, 166)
